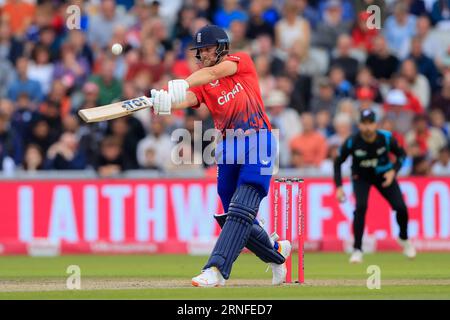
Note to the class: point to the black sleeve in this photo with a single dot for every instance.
(399, 152)
(344, 152)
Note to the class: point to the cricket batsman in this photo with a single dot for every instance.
(228, 85)
(371, 166)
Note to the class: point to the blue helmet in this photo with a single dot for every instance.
(209, 36)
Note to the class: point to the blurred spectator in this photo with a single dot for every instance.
(256, 24)
(284, 119)
(365, 100)
(325, 99)
(310, 144)
(70, 69)
(6, 76)
(399, 28)
(23, 117)
(263, 46)
(41, 135)
(33, 159)
(381, 62)
(154, 151)
(323, 121)
(347, 106)
(418, 82)
(348, 10)
(364, 78)
(342, 124)
(10, 47)
(308, 12)
(129, 131)
(77, 41)
(343, 58)
(431, 44)
(65, 154)
(19, 15)
(301, 85)
(292, 28)
(424, 64)
(229, 12)
(332, 26)
(342, 87)
(110, 87)
(397, 108)
(111, 159)
(266, 80)
(442, 166)
(102, 25)
(440, 13)
(238, 30)
(11, 145)
(437, 120)
(363, 37)
(421, 166)
(441, 100)
(23, 84)
(430, 140)
(40, 68)
(389, 125)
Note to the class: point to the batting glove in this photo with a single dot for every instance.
(177, 90)
(161, 102)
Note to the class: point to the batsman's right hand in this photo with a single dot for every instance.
(162, 102)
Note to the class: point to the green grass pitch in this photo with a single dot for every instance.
(327, 275)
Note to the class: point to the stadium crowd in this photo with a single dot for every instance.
(319, 62)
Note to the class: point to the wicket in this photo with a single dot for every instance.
(289, 182)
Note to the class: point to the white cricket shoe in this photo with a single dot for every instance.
(356, 257)
(210, 277)
(279, 271)
(408, 248)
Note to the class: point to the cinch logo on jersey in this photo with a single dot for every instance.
(227, 96)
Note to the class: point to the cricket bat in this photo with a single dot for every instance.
(115, 110)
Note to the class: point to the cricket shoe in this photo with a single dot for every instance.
(279, 271)
(408, 248)
(356, 257)
(210, 277)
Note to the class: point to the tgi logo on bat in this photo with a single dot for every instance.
(137, 103)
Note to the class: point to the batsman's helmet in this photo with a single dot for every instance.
(211, 35)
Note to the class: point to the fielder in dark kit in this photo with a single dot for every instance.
(371, 166)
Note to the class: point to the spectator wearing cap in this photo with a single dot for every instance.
(310, 144)
(399, 28)
(343, 58)
(228, 12)
(292, 28)
(418, 83)
(396, 108)
(365, 100)
(362, 36)
(441, 99)
(430, 140)
(286, 120)
(442, 166)
(325, 99)
(332, 26)
(23, 84)
(381, 62)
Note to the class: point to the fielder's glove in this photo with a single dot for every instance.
(161, 102)
(177, 90)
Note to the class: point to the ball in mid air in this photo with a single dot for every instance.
(116, 49)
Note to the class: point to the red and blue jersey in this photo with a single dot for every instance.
(235, 101)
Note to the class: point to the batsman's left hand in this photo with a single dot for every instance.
(177, 90)
(389, 176)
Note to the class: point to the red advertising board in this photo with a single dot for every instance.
(128, 215)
